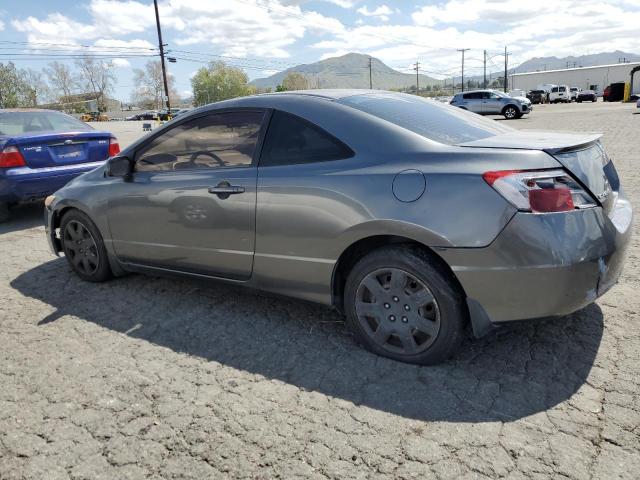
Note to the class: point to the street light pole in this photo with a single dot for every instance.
(164, 71)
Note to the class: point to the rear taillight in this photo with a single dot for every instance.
(540, 191)
(11, 157)
(114, 147)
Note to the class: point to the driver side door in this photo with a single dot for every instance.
(190, 202)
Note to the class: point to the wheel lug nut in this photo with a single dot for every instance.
(395, 299)
(407, 308)
(405, 319)
(392, 318)
(386, 305)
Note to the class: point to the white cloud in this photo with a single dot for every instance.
(244, 29)
(382, 12)
(121, 63)
(1, 25)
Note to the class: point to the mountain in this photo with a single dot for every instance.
(348, 71)
(555, 63)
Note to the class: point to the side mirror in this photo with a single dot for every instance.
(118, 167)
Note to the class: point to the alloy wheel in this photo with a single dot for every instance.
(397, 311)
(80, 247)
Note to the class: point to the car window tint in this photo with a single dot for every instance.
(291, 140)
(216, 140)
(433, 120)
(473, 96)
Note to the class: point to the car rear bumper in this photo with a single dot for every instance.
(545, 265)
(24, 184)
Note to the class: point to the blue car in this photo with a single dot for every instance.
(42, 150)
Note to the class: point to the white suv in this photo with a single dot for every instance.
(560, 93)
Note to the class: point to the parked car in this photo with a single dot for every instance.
(559, 93)
(151, 115)
(574, 91)
(537, 96)
(445, 218)
(42, 150)
(492, 102)
(614, 92)
(587, 96)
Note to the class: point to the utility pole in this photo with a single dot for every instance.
(462, 80)
(164, 71)
(484, 81)
(506, 59)
(417, 69)
(370, 76)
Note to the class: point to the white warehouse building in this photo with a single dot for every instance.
(595, 78)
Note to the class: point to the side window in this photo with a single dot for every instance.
(292, 140)
(473, 96)
(216, 140)
(554, 90)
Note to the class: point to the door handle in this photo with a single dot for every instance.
(224, 189)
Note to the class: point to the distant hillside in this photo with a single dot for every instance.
(555, 63)
(348, 71)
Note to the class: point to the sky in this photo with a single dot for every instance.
(264, 36)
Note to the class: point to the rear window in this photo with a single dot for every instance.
(433, 120)
(18, 123)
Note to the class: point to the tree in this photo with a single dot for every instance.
(35, 88)
(98, 78)
(10, 86)
(295, 81)
(62, 82)
(149, 86)
(218, 81)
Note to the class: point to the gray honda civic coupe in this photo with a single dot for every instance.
(412, 217)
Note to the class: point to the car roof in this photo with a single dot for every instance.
(13, 110)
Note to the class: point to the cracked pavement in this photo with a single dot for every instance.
(145, 377)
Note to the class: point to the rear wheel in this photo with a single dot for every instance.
(83, 247)
(400, 304)
(4, 212)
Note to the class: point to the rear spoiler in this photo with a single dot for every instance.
(550, 142)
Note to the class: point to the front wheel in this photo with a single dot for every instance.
(510, 113)
(83, 247)
(400, 303)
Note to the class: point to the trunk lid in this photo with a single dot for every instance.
(52, 149)
(580, 153)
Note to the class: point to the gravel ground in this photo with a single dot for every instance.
(160, 378)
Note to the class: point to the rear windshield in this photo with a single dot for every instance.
(18, 123)
(433, 120)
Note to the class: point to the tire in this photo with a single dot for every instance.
(4, 212)
(510, 112)
(84, 248)
(425, 330)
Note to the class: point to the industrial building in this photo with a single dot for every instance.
(595, 78)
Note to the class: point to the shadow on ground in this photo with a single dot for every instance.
(23, 217)
(526, 370)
